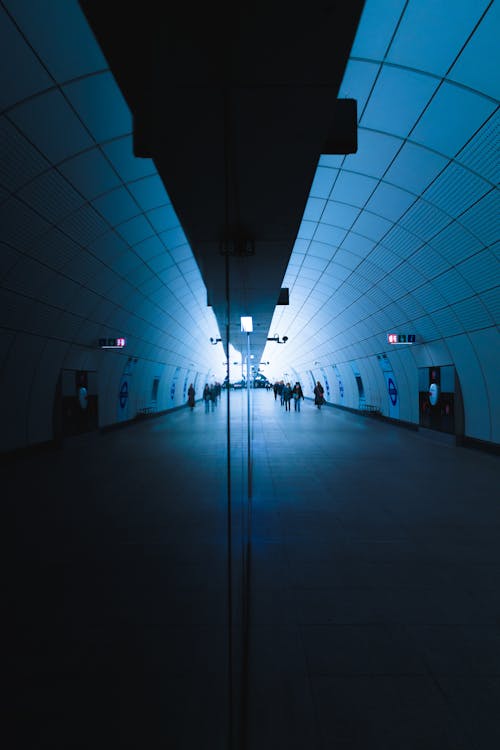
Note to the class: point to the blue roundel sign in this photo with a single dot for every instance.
(393, 391)
(327, 386)
(123, 394)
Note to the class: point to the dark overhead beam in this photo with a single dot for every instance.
(235, 103)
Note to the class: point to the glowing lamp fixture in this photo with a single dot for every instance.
(276, 338)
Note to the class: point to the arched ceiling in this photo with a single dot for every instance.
(235, 104)
(403, 234)
(90, 243)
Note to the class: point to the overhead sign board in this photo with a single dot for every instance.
(116, 343)
(401, 338)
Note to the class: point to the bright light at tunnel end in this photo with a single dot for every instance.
(246, 324)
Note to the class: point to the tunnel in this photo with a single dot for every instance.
(200, 206)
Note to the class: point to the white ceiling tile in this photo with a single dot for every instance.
(453, 286)
(456, 189)
(447, 322)
(314, 209)
(51, 196)
(390, 202)
(306, 230)
(151, 286)
(84, 226)
(20, 224)
(397, 100)
(321, 250)
(339, 214)
(116, 206)
(120, 153)
(90, 174)
(410, 307)
(353, 189)
(151, 247)
(425, 220)
(108, 246)
(376, 28)
(100, 105)
(27, 277)
(328, 234)
(371, 226)
(20, 162)
(358, 81)
(8, 258)
(479, 156)
(429, 297)
(455, 243)
(415, 168)
(371, 271)
(358, 244)
(50, 124)
(314, 262)
(482, 271)
(375, 153)
(323, 182)
(491, 300)
(401, 242)
(472, 314)
(31, 78)
(426, 328)
(419, 41)
(428, 262)
(135, 230)
(474, 67)
(392, 287)
(451, 119)
(483, 218)
(150, 194)
(347, 259)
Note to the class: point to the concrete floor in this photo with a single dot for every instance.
(374, 612)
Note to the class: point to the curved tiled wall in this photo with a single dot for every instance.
(401, 236)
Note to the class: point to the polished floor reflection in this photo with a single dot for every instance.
(373, 612)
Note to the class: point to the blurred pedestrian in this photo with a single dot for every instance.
(213, 396)
(206, 397)
(281, 388)
(297, 395)
(318, 394)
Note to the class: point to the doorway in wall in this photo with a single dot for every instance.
(440, 404)
(361, 392)
(76, 408)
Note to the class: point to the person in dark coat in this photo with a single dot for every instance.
(318, 394)
(206, 397)
(191, 393)
(281, 388)
(297, 395)
(287, 396)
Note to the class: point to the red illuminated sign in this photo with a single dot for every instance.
(401, 338)
(116, 343)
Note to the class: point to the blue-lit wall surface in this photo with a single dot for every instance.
(401, 236)
(91, 245)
